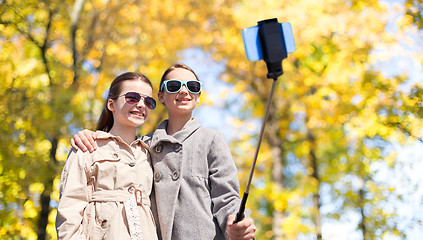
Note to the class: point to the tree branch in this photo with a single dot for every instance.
(75, 14)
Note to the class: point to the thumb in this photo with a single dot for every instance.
(231, 220)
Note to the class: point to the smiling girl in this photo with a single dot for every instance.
(196, 186)
(193, 168)
(105, 194)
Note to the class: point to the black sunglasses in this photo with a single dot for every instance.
(174, 86)
(134, 98)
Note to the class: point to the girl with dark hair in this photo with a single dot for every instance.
(105, 194)
(196, 186)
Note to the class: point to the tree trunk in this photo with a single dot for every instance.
(51, 169)
(45, 196)
(362, 224)
(316, 196)
(275, 143)
(45, 211)
(75, 14)
(278, 216)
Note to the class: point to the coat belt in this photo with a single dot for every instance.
(117, 196)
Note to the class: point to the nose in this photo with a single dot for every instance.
(141, 103)
(184, 89)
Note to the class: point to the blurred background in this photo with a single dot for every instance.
(342, 153)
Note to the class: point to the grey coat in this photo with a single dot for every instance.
(195, 182)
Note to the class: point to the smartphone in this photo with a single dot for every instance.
(252, 44)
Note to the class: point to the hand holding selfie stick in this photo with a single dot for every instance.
(270, 41)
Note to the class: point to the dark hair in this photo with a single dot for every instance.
(171, 68)
(105, 122)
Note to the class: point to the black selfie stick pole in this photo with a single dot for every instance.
(274, 51)
(240, 214)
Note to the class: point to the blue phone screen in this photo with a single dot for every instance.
(252, 43)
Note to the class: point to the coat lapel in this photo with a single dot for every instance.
(167, 194)
(160, 134)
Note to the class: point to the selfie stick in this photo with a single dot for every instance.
(240, 214)
(270, 43)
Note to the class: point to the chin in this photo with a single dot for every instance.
(186, 106)
(138, 122)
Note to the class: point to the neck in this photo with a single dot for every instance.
(177, 123)
(127, 134)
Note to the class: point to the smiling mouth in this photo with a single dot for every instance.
(183, 100)
(138, 114)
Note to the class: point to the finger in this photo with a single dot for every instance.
(85, 140)
(243, 224)
(79, 143)
(245, 229)
(73, 144)
(90, 136)
(251, 230)
(244, 236)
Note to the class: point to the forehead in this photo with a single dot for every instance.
(136, 86)
(181, 74)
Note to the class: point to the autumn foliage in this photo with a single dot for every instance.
(335, 121)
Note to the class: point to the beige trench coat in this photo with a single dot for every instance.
(94, 187)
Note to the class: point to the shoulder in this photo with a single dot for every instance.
(199, 129)
(105, 148)
(147, 138)
(211, 138)
(74, 153)
(210, 133)
(76, 159)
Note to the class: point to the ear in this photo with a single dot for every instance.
(198, 99)
(160, 95)
(111, 105)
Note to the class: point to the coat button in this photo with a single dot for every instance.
(157, 176)
(175, 175)
(104, 224)
(159, 148)
(115, 155)
(131, 164)
(131, 189)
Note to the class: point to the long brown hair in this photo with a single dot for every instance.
(105, 122)
(171, 68)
